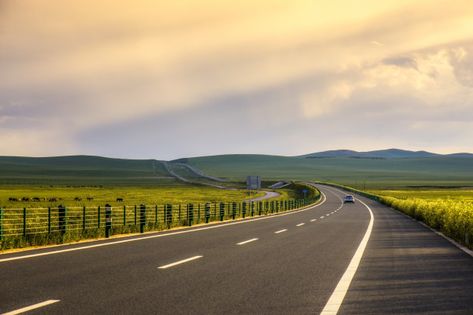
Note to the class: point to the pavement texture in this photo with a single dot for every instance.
(285, 264)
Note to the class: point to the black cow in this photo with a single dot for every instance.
(119, 199)
(13, 199)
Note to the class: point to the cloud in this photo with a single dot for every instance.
(67, 69)
(375, 42)
(323, 102)
(406, 62)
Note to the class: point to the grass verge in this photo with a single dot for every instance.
(57, 225)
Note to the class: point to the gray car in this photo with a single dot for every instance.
(349, 198)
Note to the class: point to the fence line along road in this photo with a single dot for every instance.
(38, 226)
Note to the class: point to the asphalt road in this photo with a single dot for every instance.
(267, 195)
(285, 264)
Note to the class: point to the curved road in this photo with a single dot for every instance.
(286, 264)
(267, 195)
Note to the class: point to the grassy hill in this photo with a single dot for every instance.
(82, 170)
(440, 171)
(383, 154)
(358, 172)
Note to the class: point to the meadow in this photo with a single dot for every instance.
(396, 173)
(81, 212)
(362, 173)
(96, 196)
(433, 194)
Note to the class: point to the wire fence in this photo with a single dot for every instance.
(37, 226)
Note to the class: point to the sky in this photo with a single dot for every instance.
(171, 79)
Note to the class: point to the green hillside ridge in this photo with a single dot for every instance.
(82, 170)
(433, 171)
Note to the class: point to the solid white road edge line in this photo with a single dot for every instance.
(248, 241)
(300, 224)
(313, 220)
(336, 299)
(180, 262)
(324, 198)
(280, 231)
(31, 307)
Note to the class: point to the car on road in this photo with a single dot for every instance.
(349, 198)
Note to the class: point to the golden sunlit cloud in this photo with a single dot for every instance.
(71, 66)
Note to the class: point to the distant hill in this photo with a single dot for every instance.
(433, 171)
(81, 170)
(386, 168)
(461, 155)
(381, 154)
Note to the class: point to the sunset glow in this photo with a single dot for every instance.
(164, 79)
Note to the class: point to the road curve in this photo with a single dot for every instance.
(267, 195)
(286, 264)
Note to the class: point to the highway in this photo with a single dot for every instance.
(361, 258)
(267, 195)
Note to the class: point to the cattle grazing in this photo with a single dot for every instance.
(25, 199)
(53, 199)
(119, 199)
(90, 198)
(13, 199)
(77, 199)
(36, 199)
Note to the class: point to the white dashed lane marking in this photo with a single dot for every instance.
(31, 307)
(248, 241)
(180, 262)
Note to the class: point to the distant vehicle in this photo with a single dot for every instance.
(349, 198)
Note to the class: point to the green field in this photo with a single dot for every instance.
(27, 223)
(355, 172)
(363, 173)
(83, 170)
(429, 194)
(131, 195)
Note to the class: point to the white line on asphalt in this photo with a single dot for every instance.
(300, 224)
(280, 231)
(313, 220)
(324, 199)
(31, 307)
(336, 299)
(180, 262)
(248, 241)
(322, 217)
